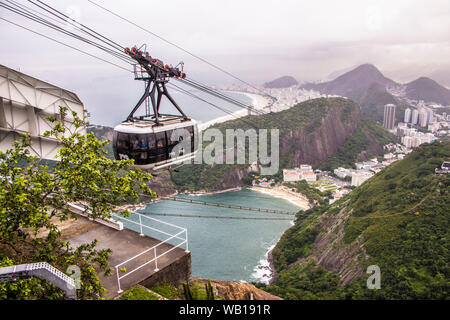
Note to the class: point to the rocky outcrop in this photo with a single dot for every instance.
(324, 141)
(230, 290)
(162, 184)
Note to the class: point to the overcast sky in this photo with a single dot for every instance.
(256, 40)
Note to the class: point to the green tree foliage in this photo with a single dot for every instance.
(297, 242)
(307, 282)
(314, 195)
(33, 198)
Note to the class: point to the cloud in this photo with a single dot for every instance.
(256, 40)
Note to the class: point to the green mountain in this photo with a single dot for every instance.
(326, 133)
(398, 220)
(428, 90)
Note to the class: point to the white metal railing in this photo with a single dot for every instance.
(52, 270)
(41, 270)
(85, 212)
(142, 226)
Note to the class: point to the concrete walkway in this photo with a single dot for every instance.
(125, 244)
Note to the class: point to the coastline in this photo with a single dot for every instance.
(280, 192)
(259, 102)
(296, 199)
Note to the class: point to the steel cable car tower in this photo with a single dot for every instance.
(156, 75)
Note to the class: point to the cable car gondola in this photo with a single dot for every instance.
(155, 141)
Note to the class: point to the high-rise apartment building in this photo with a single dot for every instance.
(415, 116)
(389, 116)
(407, 118)
(423, 117)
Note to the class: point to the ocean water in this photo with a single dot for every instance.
(228, 249)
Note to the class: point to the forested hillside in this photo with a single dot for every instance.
(398, 220)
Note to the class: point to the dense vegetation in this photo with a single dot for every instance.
(314, 195)
(138, 293)
(402, 214)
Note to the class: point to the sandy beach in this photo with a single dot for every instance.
(284, 193)
(259, 102)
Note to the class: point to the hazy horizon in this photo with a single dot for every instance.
(257, 41)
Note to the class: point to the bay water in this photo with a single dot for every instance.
(224, 248)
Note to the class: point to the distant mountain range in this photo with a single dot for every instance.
(366, 85)
(355, 83)
(282, 82)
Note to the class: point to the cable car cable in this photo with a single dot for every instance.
(178, 47)
(48, 24)
(31, 10)
(212, 104)
(220, 95)
(67, 45)
(70, 20)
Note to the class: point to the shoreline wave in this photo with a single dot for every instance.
(263, 272)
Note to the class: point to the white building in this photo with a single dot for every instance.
(423, 117)
(25, 104)
(309, 177)
(433, 127)
(415, 116)
(360, 176)
(342, 172)
(430, 116)
(389, 116)
(407, 118)
(407, 141)
(291, 174)
(305, 172)
(366, 165)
